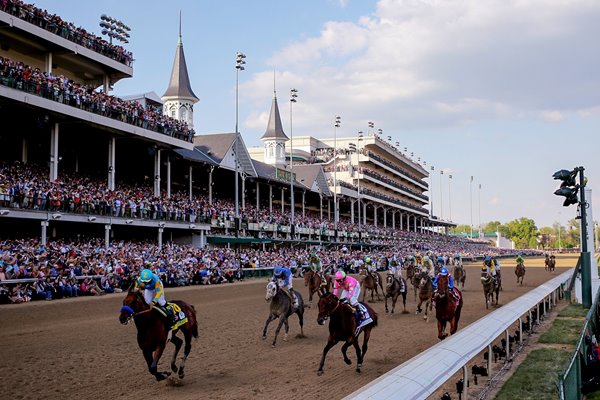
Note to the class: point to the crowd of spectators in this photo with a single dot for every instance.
(20, 76)
(85, 267)
(67, 30)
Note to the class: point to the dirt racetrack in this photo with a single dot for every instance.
(76, 348)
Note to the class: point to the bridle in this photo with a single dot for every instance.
(131, 313)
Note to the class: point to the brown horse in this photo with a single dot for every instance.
(370, 281)
(415, 280)
(550, 263)
(342, 327)
(425, 293)
(153, 332)
(447, 308)
(520, 272)
(281, 307)
(410, 270)
(314, 282)
(490, 286)
(395, 286)
(460, 275)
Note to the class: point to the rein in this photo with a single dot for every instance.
(132, 313)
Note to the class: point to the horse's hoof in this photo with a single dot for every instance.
(358, 369)
(320, 372)
(348, 361)
(386, 311)
(173, 367)
(264, 337)
(273, 345)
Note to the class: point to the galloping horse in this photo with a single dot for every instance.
(460, 275)
(281, 307)
(312, 280)
(447, 308)
(550, 263)
(395, 286)
(415, 280)
(370, 282)
(425, 293)
(153, 332)
(410, 270)
(342, 327)
(490, 286)
(520, 272)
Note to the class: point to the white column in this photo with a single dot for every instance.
(282, 202)
(394, 219)
(271, 199)
(48, 63)
(160, 238)
(257, 195)
(243, 192)
(157, 173)
(54, 152)
(202, 239)
(210, 185)
(44, 232)
(415, 223)
(385, 217)
(364, 213)
(321, 205)
(329, 209)
(303, 211)
(112, 147)
(352, 210)
(24, 150)
(401, 221)
(106, 236)
(106, 83)
(191, 181)
(168, 176)
(375, 207)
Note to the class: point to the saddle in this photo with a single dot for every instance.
(173, 315)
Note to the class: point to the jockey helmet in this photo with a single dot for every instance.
(340, 276)
(278, 271)
(444, 271)
(367, 260)
(426, 258)
(146, 276)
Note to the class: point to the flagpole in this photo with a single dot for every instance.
(471, 203)
(479, 208)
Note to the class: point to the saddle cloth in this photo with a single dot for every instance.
(178, 316)
(366, 319)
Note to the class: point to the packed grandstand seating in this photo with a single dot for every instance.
(67, 30)
(20, 76)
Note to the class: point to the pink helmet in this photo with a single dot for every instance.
(340, 276)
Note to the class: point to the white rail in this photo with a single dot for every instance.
(423, 374)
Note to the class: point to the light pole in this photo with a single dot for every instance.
(449, 197)
(114, 28)
(359, 139)
(293, 97)
(336, 125)
(479, 208)
(239, 66)
(441, 195)
(430, 190)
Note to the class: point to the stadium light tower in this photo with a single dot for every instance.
(337, 124)
(239, 66)
(114, 28)
(293, 97)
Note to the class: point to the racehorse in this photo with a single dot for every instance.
(520, 272)
(370, 282)
(550, 263)
(342, 327)
(460, 275)
(281, 307)
(395, 286)
(313, 281)
(410, 270)
(153, 332)
(425, 293)
(415, 280)
(447, 308)
(490, 286)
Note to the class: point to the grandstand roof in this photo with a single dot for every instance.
(195, 155)
(267, 171)
(274, 127)
(219, 148)
(313, 177)
(179, 85)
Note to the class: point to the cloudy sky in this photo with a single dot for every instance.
(507, 91)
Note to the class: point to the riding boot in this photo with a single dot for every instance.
(169, 314)
(294, 299)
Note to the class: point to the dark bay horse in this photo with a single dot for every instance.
(490, 286)
(425, 293)
(153, 332)
(410, 270)
(281, 307)
(394, 287)
(370, 281)
(520, 272)
(460, 275)
(342, 327)
(550, 263)
(313, 281)
(447, 308)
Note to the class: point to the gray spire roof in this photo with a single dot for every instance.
(179, 85)
(274, 128)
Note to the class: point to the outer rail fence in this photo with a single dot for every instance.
(579, 371)
(423, 374)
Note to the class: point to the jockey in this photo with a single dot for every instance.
(283, 276)
(315, 264)
(372, 268)
(457, 259)
(440, 261)
(428, 266)
(489, 266)
(443, 272)
(154, 293)
(350, 290)
(520, 260)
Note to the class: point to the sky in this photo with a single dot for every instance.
(506, 91)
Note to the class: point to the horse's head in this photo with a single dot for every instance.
(442, 285)
(132, 304)
(424, 279)
(389, 281)
(271, 290)
(362, 272)
(328, 302)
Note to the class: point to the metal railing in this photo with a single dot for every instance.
(423, 374)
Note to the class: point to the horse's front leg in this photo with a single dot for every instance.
(361, 354)
(394, 300)
(386, 306)
(282, 320)
(404, 302)
(267, 322)
(441, 328)
(330, 343)
(177, 342)
(154, 365)
(287, 329)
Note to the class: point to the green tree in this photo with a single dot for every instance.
(492, 226)
(522, 231)
(461, 229)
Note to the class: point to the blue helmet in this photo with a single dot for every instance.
(146, 275)
(487, 258)
(278, 271)
(444, 271)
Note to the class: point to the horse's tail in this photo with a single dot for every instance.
(195, 324)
